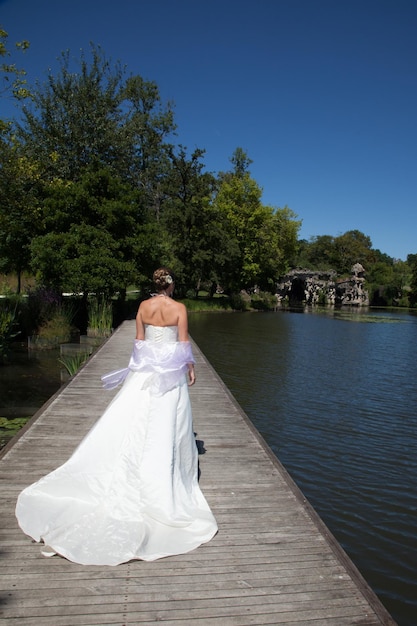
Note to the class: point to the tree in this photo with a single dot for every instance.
(401, 283)
(95, 114)
(200, 247)
(378, 277)
(76, 118)
(88, 241)
(412, 262)
(149, 124)
(13, 78)
(98, 138)
(240, 162)
(17, 209)
(319, 253)
(20, 218)
(350, 248)
(325, 252)
(266, 238)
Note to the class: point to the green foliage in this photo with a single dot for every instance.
(56, 324)
(350, 248)
(95, 113)
(325, 252)
(52, 333)
(265, 238)
(148, 124)
(195, 305)
(387, 280)
(317, 254)
(76, 118)
(100, 317)
(10, 427)
(39, 307)
(239, 303)
(263, 301)
(73, 362)
(93, 197)
(96, 140)
(13, 78)
(88, 242)
(8, 327)
(193, 227)
(14, 424)
(19, 210)
(240, 162)
(412, 262)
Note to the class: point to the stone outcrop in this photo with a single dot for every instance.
(352, 291)
(303, 286)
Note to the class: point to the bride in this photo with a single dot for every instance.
(130, 490)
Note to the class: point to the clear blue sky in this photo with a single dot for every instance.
(321, 94)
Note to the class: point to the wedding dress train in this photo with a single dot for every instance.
(130, 490)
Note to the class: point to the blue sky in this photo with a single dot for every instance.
(321, 94)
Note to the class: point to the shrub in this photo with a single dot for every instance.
(40, 306)
(56, 330)
(239, 303)
(264, 301)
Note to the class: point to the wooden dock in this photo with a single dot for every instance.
(273, 560)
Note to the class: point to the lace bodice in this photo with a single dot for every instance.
(161, 334)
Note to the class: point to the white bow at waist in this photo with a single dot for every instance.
(166, 364)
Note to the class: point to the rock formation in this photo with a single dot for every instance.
(303, 286)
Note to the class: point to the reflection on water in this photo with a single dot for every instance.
(336, 401)
(27, 382)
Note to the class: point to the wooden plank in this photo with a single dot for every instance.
(272, 562)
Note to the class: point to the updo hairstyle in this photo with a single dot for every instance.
(162, 278)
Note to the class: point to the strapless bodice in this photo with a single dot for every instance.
(161, 334)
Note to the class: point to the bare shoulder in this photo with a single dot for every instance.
(181, 306)
(141, 307)
(181, 310)
(146, 304)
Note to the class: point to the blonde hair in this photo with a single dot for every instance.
(162, 278)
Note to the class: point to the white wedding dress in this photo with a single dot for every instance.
(130, 490)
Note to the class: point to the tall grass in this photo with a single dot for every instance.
(100, 317)
(207, 304)
(57, 329)
(8, 327)
(73, 362)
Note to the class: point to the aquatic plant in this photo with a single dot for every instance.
(100, 317)
(9, 428)
(73, 362)
(57, 329)
(8, 327)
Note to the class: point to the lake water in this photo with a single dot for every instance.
(335, 396)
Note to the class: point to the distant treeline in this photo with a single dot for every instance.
(95, 192)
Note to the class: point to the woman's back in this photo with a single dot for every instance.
(161, 334)
(160, 310)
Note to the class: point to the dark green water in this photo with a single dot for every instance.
(26, 383)
(335, 396)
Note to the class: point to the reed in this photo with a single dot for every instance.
(100, 317)
(73, 362)
(8, 328)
